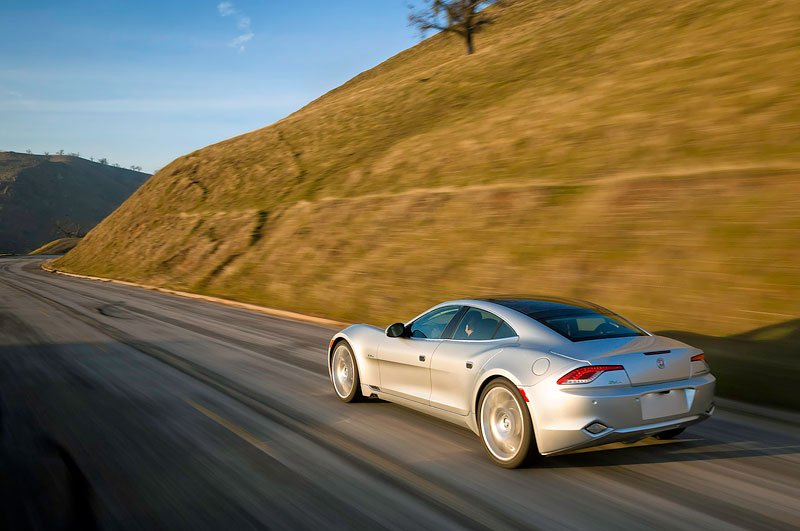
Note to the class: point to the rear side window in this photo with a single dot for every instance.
(480, 325)
(504, 331)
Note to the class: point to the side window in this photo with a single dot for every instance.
(481, 325)
(504, 331)
(432, 324)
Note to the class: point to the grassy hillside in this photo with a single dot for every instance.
(641, 154)
(59, 246)
(36, 191)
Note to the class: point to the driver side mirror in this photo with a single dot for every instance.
(396, 330)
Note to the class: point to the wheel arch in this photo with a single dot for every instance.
(338, 338)
(363, 342)
(484, 381)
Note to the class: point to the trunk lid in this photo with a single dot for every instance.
(647, 359)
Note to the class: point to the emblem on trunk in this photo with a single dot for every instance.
(660, 363)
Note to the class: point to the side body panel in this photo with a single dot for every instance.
(405, 367)
(455, 369)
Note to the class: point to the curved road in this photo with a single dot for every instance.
(127, 408)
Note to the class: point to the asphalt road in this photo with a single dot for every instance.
(127, 408)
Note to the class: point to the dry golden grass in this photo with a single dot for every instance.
(641, 154)
(59, 246)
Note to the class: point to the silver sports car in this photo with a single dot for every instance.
(529, 376)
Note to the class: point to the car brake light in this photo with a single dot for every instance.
(583, 375)
(699, 357)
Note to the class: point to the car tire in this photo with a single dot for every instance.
(505, 425)
(344, 373)
(669, 434)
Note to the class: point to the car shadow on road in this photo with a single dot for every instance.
(728, 443)
(653, 451)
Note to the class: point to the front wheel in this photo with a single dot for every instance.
(344, 373)
(505, 425)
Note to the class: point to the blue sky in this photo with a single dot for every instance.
(142, 82)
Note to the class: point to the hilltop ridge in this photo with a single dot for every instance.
(39, 191)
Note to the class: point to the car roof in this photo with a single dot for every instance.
(511, 310)
(543, 306)
(527, 315)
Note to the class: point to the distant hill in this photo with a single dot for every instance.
(38, 191)
(58, 246)
(641, 154)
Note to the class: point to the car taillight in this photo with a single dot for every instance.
(583, 375)
(699, 357)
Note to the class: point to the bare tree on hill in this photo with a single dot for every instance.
(66, 228)
(462, 17)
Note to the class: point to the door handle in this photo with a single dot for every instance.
(421, 357)
(469, 365)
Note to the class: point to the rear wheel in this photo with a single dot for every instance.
(669, 434)
(344, 373)
(505, 424)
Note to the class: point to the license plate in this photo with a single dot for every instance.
(658, 405)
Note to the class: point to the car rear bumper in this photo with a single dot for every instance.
(564, 418)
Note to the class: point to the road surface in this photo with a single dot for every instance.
(124, 408)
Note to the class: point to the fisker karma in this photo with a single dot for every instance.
(530, 376)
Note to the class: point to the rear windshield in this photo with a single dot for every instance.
(586, 324)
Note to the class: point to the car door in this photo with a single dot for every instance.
(405, 362)
(478, 336)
